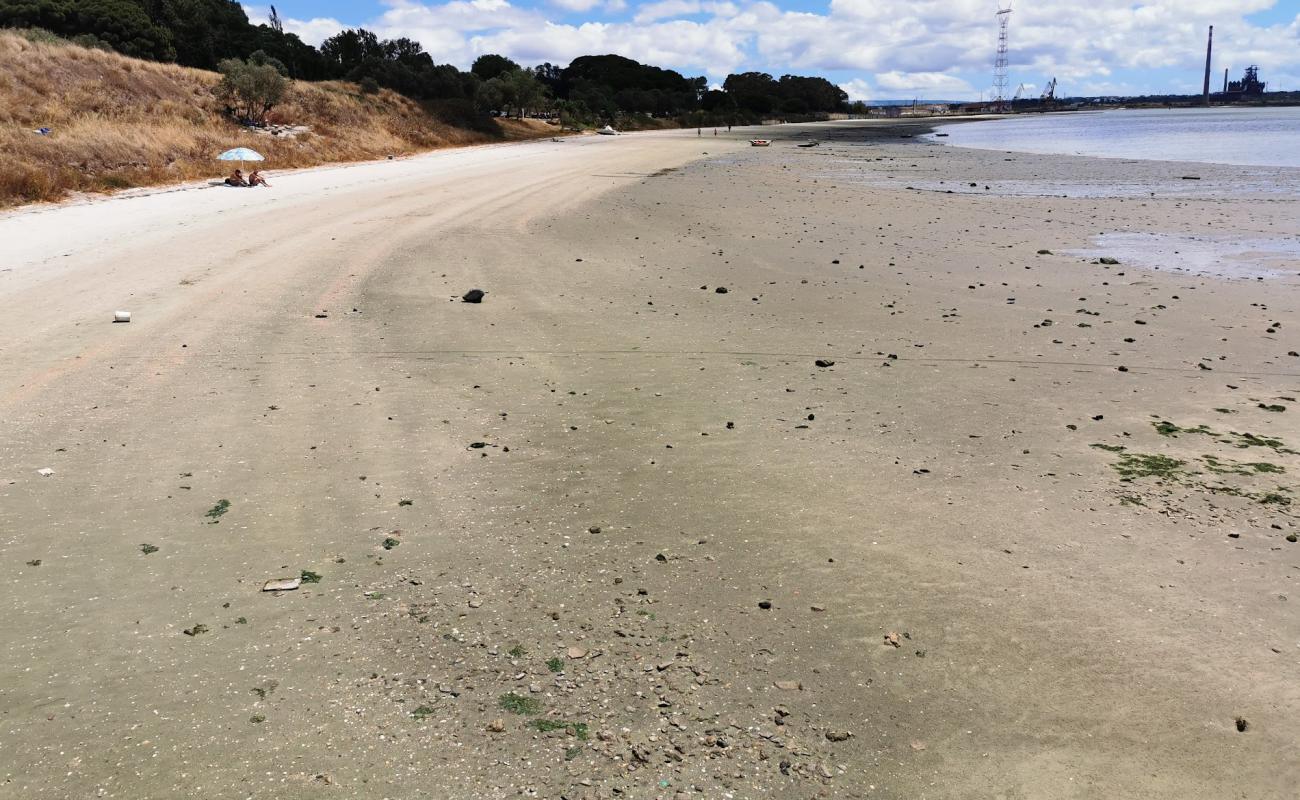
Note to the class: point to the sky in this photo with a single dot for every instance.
(874, 49)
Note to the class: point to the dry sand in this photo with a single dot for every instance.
(610, 466)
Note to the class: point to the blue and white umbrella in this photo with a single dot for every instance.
(241, 154)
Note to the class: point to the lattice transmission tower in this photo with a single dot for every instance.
(1001, 64)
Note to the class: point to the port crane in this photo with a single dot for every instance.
(1050, 92)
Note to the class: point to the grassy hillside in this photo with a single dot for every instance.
(119, 122)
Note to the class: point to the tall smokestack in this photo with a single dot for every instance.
(1225, 80)
(1209, 52)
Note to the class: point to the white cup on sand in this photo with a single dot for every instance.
(121, 316)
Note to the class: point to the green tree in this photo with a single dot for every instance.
(491, 96)
(490, 66)
(261, 58)
(517, 91)
(123, 25)
(526, 92)
(251, 90)
(755, 92)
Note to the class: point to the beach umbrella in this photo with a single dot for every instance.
(241, 154)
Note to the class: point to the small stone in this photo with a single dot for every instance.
(594, 529)
(817, 608)
(789, 686)
(497, 726)
(473, 296)
(1242, 724)
(823, 362)
(765, 604)
(576, 652)
(838, 735)
(476, 603)
(918, 745)
(721, 290)
(891, 639)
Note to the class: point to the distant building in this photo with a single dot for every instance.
(1250, 86)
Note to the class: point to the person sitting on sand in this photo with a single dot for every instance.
(256, 179)
(236, 179)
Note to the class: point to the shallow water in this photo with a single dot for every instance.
(1267, 137)
(1215, 256)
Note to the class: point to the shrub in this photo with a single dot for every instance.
(250, 90)
(261, 58)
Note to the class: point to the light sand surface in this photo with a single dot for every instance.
(612, 466)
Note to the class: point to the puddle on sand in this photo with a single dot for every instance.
(1214, 256)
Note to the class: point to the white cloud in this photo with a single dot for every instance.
(930, 84)
(667, 9)
(900, 47)
(312, 31)
(690, 47)
(858, 89)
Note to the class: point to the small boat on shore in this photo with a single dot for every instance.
(607, 131)
(759, 142)
(813, 143)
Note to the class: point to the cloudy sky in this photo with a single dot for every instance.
(875, 49)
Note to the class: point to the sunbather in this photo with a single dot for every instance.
(236, 179)
(256, 179)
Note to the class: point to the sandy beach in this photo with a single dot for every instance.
(839, 472)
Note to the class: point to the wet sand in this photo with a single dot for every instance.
(613, 532)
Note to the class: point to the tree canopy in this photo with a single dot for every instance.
(205, 33)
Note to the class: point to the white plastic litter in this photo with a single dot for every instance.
(121, 316)
(45, 473)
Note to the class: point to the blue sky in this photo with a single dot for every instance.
(875, 49)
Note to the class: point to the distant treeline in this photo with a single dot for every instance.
(204, 33)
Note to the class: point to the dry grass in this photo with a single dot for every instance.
(119, 122)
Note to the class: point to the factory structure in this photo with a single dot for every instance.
(1026, 99)
(1250, 87)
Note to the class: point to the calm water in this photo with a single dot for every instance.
(1266, 137)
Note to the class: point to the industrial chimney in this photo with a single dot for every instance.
(1209, 52)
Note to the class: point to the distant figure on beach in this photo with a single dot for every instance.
(237, 179)
(256, 179)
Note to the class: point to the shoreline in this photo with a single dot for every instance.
(1029, 120)
(615, 531)
(914, 127)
